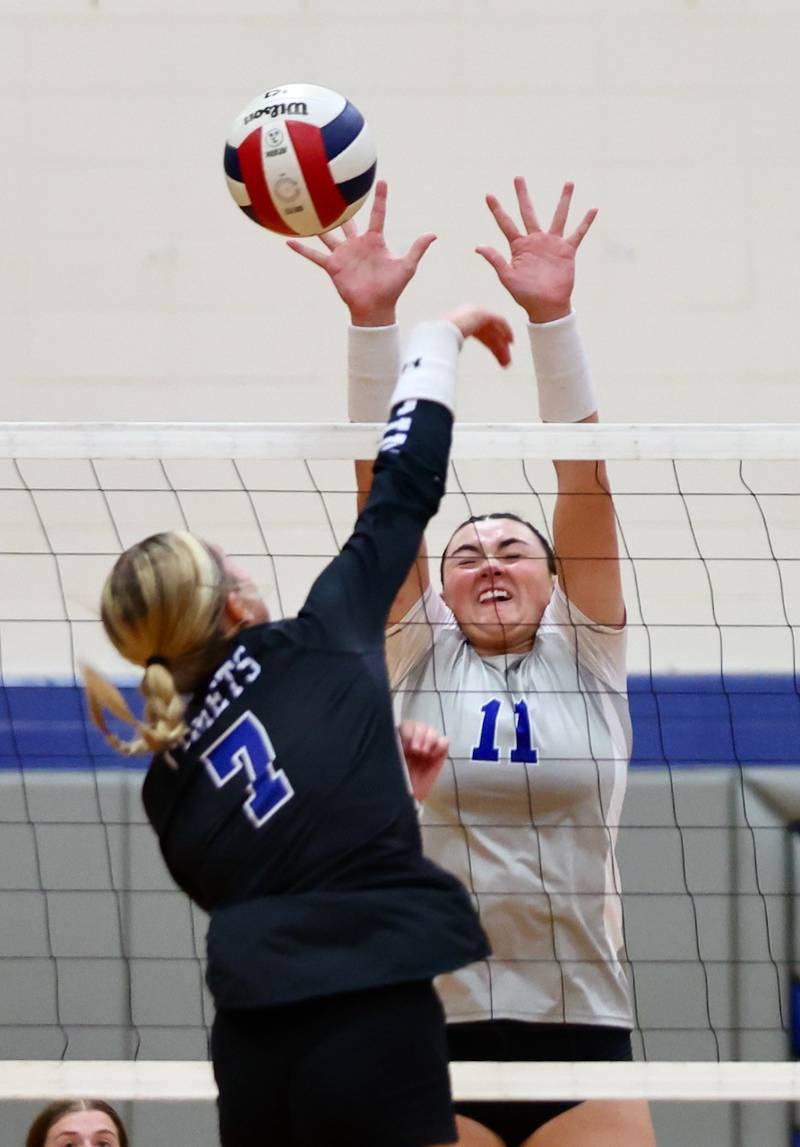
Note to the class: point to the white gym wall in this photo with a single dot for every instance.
(131, 286)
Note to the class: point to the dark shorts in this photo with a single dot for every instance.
(354, 1070)
(506, 1040)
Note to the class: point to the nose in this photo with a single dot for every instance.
(491, 566)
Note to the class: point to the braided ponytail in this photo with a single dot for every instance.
(162, 726)
(163, 607)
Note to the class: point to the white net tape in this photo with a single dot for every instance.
(170, 440)
(512, 1082)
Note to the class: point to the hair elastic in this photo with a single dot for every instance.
(156, 661)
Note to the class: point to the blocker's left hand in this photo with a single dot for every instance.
(425, 750)
(540, 272)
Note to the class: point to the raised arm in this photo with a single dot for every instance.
(539, 275)
(350, 600)
(370, 279)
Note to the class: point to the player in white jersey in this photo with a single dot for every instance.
(521, 662)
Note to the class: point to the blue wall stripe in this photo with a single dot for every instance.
(677, 721)
(753, 720)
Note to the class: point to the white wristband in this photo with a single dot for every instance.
(566, 391)
(429, 365)
(373, 364)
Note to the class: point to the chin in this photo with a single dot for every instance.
(494, 638)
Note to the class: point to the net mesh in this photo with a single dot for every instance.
(102, 958)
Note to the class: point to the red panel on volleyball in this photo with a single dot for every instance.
(255, 181)
(310, 150)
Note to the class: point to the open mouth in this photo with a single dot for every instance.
(494, 595)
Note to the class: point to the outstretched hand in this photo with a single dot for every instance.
(425, 751)
(540, 273)
(367, 276)
(488, 328)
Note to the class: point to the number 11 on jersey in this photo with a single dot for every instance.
(485, 750)
(246, 745)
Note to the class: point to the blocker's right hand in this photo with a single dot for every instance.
(540, 271)
(367, 276)
(487, 327)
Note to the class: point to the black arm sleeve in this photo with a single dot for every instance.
(350, 600)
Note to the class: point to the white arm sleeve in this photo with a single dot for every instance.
(408, 642)
(429, 365)
(373, 364)
(599, 648)
(564, 382)
(377, 380)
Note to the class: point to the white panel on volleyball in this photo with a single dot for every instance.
(356, 158)
(287, 185)
(325, 106)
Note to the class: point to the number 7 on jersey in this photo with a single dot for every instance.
(246, 745)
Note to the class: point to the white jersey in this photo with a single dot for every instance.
(526, 809)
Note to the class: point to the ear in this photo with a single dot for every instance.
(237, 611)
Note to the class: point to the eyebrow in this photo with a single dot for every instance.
(68, 1134)
(470, 547)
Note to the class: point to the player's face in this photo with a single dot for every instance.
(497, 583)
(83, 1129)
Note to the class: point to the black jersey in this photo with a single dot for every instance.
(288, 816)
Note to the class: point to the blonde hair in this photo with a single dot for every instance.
(162, 607)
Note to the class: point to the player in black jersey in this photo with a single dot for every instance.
(282, 808)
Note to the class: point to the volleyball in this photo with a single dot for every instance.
(299, 159)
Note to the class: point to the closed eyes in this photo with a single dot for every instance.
(471, 561)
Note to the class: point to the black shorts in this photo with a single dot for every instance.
(354, 1070)
(508, 1040)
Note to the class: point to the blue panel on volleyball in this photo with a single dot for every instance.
(340, 132)
(233, 167)
(353, 189)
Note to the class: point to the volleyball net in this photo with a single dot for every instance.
(102, 959)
